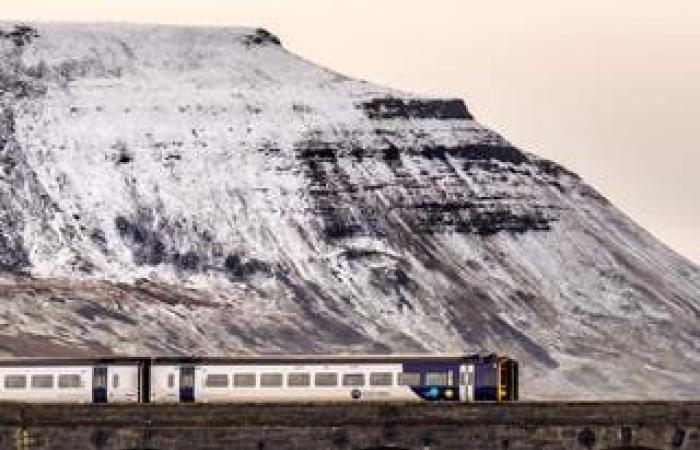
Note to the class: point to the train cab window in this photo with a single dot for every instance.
(326, 379)
(381, 379)
(216, 380)
(353, 379)
(115, 381)
(436, 379)
(42, 381)
(486, 375)
(298, 379)
(244, 380)
(15, 381)
(69, 381)
(409, 379)
(171, 380)
(271, 380)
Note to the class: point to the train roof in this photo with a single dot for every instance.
(244, 359)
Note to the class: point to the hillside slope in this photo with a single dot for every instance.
(170, 190)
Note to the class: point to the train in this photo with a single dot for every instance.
(302, 378)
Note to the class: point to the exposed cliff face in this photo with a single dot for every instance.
(195, 190)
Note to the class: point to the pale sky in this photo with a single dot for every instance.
(609, 88)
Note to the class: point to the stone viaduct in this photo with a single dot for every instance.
(360, 426)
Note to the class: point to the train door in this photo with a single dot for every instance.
(463, 383)
(144, 387)
(507, 380)
(99, 385)
(186, 384)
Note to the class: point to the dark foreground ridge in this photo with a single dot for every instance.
(585, 426)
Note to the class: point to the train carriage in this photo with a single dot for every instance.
(261, 379)
(70, 380)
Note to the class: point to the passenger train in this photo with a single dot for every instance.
(260, 379)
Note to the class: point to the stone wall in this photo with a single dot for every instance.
(574, 426)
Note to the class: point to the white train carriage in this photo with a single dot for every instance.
(333, 379)
(70, 381)
(225, 383)
(260, 379)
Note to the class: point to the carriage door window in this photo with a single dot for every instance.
(171, 380)
(99, 385)
(187, 384)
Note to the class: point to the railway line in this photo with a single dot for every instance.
(656, 425)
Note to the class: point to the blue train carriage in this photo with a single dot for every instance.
(490, 378)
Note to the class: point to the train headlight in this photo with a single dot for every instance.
(449, 393)
(433, 393)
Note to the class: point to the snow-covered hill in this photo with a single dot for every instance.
(169, 190)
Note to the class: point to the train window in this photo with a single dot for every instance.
(466, 378)
(409, 379)
(436, 379)
(244, 380)
(216, 380)
(42, 381)
(353, 379)
(271, 380)
(485, 375)
(115, 381)
(381, 379)
(298, 379)
(99, 378)
(15, 381)
(171, 380)
(186, 377)
(68, 381)
(326, 379)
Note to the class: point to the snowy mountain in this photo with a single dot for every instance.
(170, 190)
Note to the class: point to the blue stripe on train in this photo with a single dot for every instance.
(435, 393)
(430, 392)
